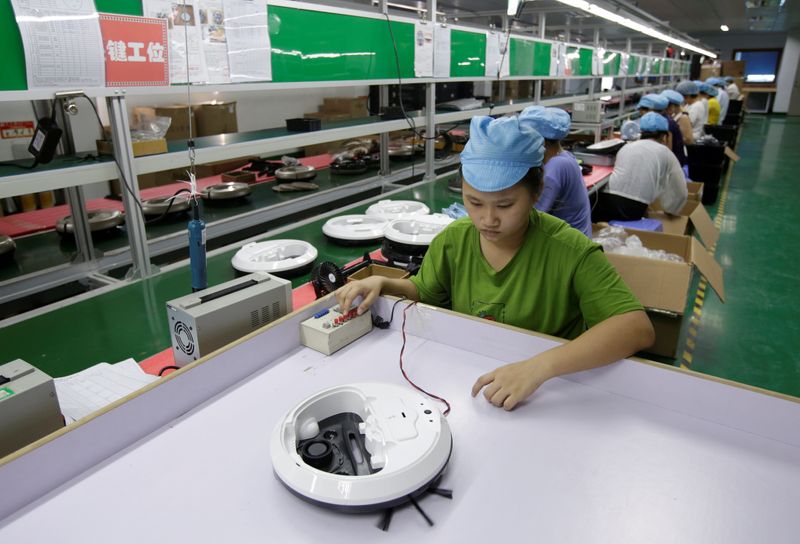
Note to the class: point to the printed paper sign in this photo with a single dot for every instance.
(16, 129)
(136, 50)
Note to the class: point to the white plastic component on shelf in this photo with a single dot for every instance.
(274, 256)
(398, 209)
(417, 231)
(355, 227)
(331, 330)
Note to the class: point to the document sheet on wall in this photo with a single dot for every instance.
(441, 57)
(247, 31)
(62, 42)
(185, 38)
(423, 49)
(495, 44)
(215, 43)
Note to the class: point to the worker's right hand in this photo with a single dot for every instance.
(368, 289)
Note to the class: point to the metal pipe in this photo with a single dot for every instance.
(430, 117)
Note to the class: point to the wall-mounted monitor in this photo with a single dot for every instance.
(761, 64)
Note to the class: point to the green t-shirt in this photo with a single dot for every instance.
(558, 282)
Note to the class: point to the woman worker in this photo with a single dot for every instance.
(513, 264)
(676, 111)
(660, 104)
(645, 170)
(564, 194)
(709, 93)
(695, 109)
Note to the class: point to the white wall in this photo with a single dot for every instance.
(787, 73)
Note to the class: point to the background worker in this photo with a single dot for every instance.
(722, 97)
(676, 110)
(732, 88)
(564, 194)
(709, 94)
(645, 170)
(695, 107)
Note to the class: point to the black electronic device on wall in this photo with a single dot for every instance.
(45, 140)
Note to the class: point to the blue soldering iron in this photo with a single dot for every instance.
(197, 249)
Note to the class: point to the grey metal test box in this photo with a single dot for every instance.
(210, 319)
(29, 406)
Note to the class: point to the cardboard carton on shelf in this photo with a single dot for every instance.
(693, 217)
(140, 147)
(146, 181)
(733, 68)
(662, 286)
(178, 114)
(379, 270)
(215, 118)
(354, 107)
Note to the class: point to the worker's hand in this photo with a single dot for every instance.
(509, 385)
(368, 289)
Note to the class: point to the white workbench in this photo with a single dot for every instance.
(634, 452)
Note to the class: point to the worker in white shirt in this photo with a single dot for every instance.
(732, 88)
(644, 171)
(722, 97)
(698, 114)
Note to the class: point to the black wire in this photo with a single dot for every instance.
(381, 323)
(506, 48)
(170, 367)
(121, 173)
(169, 206)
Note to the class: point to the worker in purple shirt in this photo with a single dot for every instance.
(659, 104)
(564, 194)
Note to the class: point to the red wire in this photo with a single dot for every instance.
(402, 349)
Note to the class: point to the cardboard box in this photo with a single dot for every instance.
(695, 189)
(140, 147)
(354, 107)
(733, 68)
(662, 286)
(692, 218)
(179, 128)
(710, 70)
(211, 168)
(378, 270)
(215, 118)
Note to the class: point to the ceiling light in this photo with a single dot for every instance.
(597, 11)
(724, 28)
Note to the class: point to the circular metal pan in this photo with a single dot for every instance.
(454, 184)
(416, 231)
(160, 204)
(401, 149)
(226, 191)
(310, 446)
(7, 247)
(296, 172)
(349, 166)
(99, 221)
(355, 229)
(279, 257)
(398, 209)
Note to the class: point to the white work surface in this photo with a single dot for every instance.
(633, 452)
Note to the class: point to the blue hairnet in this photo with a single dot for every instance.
(687, 88)
(552, 123)
(500, 152)
(674, 97)
(653, 122)
(653, 102)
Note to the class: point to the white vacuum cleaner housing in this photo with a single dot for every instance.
(274, 256)
(398, 209)
(418, 230)
(361, 447)
(355, 228)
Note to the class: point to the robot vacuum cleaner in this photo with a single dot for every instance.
(398, 209)
(355, 229)
(160, 205)
(7, 248)
(226, 191)
(406, 240)
(100, 222)
(284, 258)
(361, 447)
(296, 173)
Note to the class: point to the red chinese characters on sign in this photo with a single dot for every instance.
(135, 50)
(16, 129)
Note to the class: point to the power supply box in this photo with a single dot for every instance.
(207, 320)
(588, 112)
(29, 406)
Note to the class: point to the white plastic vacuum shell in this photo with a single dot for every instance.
(353, 228)
(408, 441)
(274, 256)
(417, 231)
(398, 209)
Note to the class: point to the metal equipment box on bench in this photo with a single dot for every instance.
(207, 320)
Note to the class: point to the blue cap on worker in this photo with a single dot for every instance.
(707, 89)
(654, 102)
(674, 97)
(551, 123)
(711, 81)
(653, 122)
(687, 88)
(728, 79)
(500, 152)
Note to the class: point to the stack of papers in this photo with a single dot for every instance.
(96, 387)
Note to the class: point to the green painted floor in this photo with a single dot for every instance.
(754, 337)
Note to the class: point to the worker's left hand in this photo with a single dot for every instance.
(509, 385)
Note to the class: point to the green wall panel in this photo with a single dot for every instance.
(611, 63)
(633, 65)
(317, 46)
(124, 7)
(467, 54)
(541, 59)
(13, 55)
(586, 56)
(521, 57)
